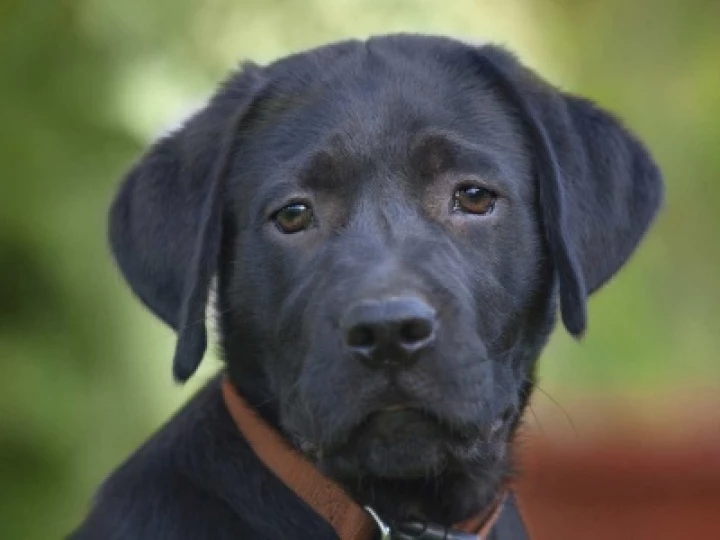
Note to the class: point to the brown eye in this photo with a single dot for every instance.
(474, 200)
(293, 218)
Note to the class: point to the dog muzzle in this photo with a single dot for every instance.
(328, 499)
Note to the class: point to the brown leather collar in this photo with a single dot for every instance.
(349, 520)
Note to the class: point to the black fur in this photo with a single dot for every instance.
(376, 136)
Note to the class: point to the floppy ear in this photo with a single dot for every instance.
(165, 222)
(598, 187)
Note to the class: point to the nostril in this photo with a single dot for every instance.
(389, 332)
(414, 331)
(361, 336)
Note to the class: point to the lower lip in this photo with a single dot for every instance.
(394, 408)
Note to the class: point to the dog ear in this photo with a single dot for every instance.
(598, 187)
(165, 222)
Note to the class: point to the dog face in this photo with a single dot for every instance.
(401, 264)
(390, 224)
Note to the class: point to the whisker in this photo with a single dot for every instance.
(537, 420)
(559, 406)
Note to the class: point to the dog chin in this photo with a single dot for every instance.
(398, 444)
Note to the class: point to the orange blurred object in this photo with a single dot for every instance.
(620, 487)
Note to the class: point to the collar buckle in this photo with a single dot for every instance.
(383, 527)
(414, 530)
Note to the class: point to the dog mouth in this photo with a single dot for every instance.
(392, 421)
(392, 442)
(448, 427)
(393, 408)
(404, 442)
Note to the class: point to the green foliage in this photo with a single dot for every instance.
(84, 85)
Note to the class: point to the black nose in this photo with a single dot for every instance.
(389, 333)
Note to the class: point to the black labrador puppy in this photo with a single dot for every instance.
(390, 227)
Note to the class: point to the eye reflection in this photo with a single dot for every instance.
(294, 218)
(473, 199)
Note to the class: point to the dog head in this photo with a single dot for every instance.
(392, 225)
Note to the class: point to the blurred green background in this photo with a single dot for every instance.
(86, 84)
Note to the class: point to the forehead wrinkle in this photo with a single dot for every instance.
(319, 171)
(329, 166)
(437, 151)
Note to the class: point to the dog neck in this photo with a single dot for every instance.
(328, 499)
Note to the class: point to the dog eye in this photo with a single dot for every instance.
(474, 200)
(293, 218)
